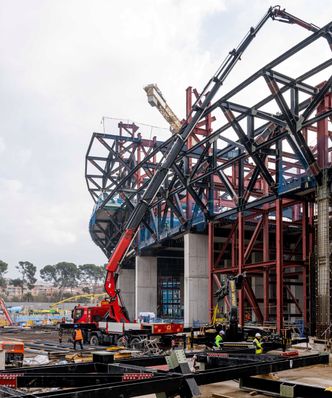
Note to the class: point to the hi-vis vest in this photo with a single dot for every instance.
(258, 345)
(218, 340)
(78, 335)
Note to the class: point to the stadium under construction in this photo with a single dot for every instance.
(218, 241)
(243, 188)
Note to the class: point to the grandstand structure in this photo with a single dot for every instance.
(253, 181)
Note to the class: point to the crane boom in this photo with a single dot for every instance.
(156, 98)
(5, 312)
(179, 140)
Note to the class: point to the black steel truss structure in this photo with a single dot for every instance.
(283, 388)
(134, 377)
(244, 157)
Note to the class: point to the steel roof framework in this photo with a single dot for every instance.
(241, 163)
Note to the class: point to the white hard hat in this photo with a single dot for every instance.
(222, 332)
(258, 335)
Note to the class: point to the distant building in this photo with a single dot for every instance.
(46, 290)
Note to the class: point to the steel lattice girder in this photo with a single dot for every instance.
(219, 174)
(283, 387)
(100, 379)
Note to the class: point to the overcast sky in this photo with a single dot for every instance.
(65, 64)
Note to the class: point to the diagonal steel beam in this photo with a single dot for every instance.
(295, 138)
(144, 222)
(317, 99)
(168, 204)
(114, 153)
(172, 206)
(190, 189)
(317, 118)
(253, 239)
(294, 299)
(224, 247)
(228, 185)
(252, 301)
(245, 141)
(200, 160)
(293, 83)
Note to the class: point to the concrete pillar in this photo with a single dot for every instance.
(196, 279)
(146, 285)
(2, 360)
(126, 283)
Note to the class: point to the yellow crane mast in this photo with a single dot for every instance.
(156, 98)
(77, 297)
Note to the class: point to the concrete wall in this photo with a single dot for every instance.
(195, 278)
(126, 283)
(146, 285)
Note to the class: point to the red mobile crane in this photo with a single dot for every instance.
(116, 308)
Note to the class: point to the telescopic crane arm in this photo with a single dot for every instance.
(156, 98)
(179, 140)
(283, 16)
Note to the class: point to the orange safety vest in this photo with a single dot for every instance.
(78, 335)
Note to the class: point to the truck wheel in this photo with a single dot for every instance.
(94, 340)
(122, 341)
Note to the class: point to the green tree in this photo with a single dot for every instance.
(91, 274)
(86, 290)
(3, 270)
(49, 274)
(28, 297)
(28, 272)
(62, 275)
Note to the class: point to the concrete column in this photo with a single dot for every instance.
(196, 279)
(126, 283)
(146, 285)
(2, 360)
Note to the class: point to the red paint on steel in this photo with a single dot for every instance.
(240, 264)
(210, 266)
(136, 376)
(9, 379)
(279, 265)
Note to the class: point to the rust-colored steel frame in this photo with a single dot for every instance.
(270, 263)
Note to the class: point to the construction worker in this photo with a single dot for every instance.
(78, 337)
(257, 343)
(219, 340)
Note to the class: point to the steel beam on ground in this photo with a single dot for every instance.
(104, 381)
(283, 388)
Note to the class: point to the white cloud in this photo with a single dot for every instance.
(2, 145)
